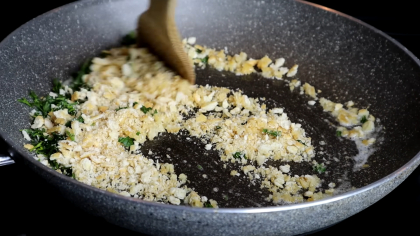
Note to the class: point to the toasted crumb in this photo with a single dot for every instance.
(135, 98)
(310, 90)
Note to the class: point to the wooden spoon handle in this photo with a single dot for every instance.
(159, 6)
(157, 30)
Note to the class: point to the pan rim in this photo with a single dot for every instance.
(414, 161)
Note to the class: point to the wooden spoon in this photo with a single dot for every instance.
(156, 29)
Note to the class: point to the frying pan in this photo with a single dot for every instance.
(370, 66)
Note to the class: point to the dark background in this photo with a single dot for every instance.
(24, 212)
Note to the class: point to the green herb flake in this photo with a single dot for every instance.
(80, 119)
(93, 124)
(135, 103)
(43, 105)
(205, 60)
(363, 120)
(78, 82)
(239, 155)
(138, 133)
(199, 50)
(218, 127)
(70, 135)
(320, 168)
(127, 141)
(46, 144)
(37, 148)
(200, 167)
(56, 166)
(225, 197)
(146, 109)
(24, 101)
(300, 141)
(208, 205)
(35, 134)
(338, 133)
(56, 86)
(272, 132)
(129, 39)
(120, 108)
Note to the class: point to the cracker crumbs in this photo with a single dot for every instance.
(310, 90)
(355, 123)
(294, 84)
(129, 97)
(239, 64)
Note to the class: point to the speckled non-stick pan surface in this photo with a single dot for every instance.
(344, 58)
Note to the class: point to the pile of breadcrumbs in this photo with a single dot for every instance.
(359, 122)
(134, 98)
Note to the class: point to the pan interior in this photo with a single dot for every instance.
(341, 57)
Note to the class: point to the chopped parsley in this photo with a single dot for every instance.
(78, 82)
(199, 50)
(47, 144)
(239, 155)
(146, 109)
(300, 141)
(35, 134)
(272, 132)
(135, 103)
(138, 133)
(42, 105)
(129, 39)
(93, 124)
(205, 60)
(218, 127)
(80, 119)
(56, 166)
(320, 168)
(25, 101)
(70, 135)
(127, 141)
(208, 205)
(200, 167)
(120, 108)
(56, 86)
(363, 120)
(338, 133)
